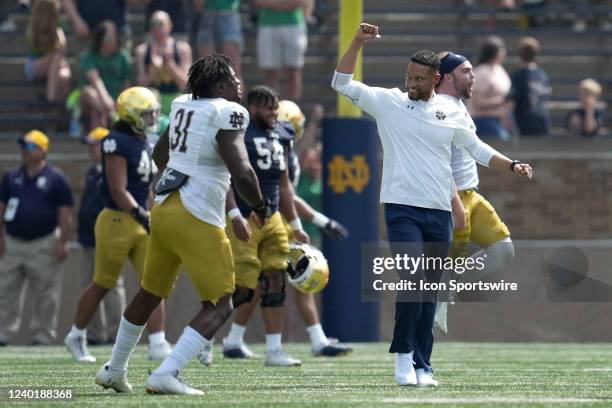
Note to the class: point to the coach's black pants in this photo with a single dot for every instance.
(414, 316)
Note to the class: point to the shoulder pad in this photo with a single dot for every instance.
(231, 116)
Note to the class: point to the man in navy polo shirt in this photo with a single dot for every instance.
(105, 322)
(35, 205)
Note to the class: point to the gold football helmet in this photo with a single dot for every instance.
(289, 111)
(139, 107)
(307, 269)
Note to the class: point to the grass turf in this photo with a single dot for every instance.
(470, 375)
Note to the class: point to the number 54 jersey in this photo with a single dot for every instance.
(194, 125)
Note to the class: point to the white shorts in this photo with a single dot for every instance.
(281, 46)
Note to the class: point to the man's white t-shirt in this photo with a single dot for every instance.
(463, 164)
(416, 137)
(194, 125)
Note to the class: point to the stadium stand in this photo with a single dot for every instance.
(567, 57)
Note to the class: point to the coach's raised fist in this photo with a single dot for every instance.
(367, 32)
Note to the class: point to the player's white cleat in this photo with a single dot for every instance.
(404, 369)
(425, 379)
(159, 351)
(169, 384)
(206, 356)
(441, 316)
(278, 358)
(77, 345)
(106, 379)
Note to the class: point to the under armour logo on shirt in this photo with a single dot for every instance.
(440, 115)
(237, 119)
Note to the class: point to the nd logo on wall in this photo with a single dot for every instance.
(344, 174)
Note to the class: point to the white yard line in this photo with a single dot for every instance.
(485, 400)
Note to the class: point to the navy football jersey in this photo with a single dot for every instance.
(266, 148)
(137, 153)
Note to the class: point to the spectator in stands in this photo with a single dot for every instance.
(47, 50)
(220, 29)
(105, 323)
(163, 62)
(282, 40)
(584, 14)
(495, 6)
(35, 206)
(488, 105)
(177, 10)
(530, 91)
(7, 24)
(105, 70)
(86, 15)
(534, 13)
(587, 120)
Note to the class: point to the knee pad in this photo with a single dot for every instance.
(268, 299)
(242, 295)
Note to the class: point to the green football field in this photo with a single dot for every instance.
(470, 375)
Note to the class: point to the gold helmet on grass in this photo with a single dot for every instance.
(308, 271)
(139, 107)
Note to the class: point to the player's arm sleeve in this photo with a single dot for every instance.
(479, 150)
(365, 97)
(232, 116)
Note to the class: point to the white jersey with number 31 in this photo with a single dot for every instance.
(194, 125)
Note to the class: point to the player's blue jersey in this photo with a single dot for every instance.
(266, 148)
(137, 153)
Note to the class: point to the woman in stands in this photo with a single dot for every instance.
(162, 61)
(47, 50)
(491, 87)
(105, 71)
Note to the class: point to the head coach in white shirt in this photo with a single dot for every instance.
(416, 129)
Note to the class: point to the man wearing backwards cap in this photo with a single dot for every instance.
(481, 225)
(105, 322)
(416, 129)
(35, 205)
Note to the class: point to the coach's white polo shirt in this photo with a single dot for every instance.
(416, 137)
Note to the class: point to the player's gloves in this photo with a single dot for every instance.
(142, 217)
(264, 210)
(335, 230)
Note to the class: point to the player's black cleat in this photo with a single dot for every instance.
(332, 350)
(241, 352)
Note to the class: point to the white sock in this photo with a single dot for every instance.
(235, 337)
(75, 332)
(157, 338)
(495, 257)
(405, 357)
(189, 345)
(318, 339)
(127, 338)
(273, 341)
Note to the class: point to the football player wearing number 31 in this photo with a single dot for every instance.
(121, 228)
(201, 148)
